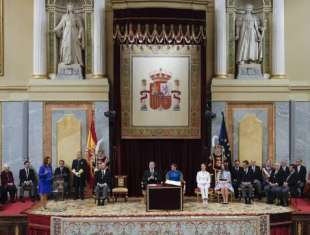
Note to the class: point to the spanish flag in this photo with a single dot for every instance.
(91, 146)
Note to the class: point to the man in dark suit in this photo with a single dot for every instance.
(79, 170)
(301, 172)
(275, 183)
(290, 185)
(103, 183)
(285, 168)
(236, 175)
(151, 175)
(27, 181)
(246, 182)
(257, 179)
(63, 173)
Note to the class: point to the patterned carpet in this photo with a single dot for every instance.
(135, 207)
(161, 225)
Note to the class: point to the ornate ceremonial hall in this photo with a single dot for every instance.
(131, 117)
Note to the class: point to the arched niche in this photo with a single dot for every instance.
(55, 9)
(263, 11)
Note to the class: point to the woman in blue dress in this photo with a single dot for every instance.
(174, 174)
(45, 180)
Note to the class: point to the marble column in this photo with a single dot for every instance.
(220, 39)
(39, 39)
(278, 47)
(99, 68)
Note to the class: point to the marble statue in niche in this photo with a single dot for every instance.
(249, 37)
(71, 32)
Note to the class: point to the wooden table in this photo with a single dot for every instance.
(164, 197)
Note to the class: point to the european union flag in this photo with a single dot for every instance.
(223, 140)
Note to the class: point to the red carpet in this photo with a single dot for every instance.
(14, 209)
(301, 205)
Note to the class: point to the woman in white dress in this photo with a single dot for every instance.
(223, 182)
(203, 182)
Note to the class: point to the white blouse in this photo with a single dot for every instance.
(203, 177)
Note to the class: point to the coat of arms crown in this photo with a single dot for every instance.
(161, 76)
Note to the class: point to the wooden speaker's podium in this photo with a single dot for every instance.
(164, 197)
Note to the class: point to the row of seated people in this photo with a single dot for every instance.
(154, 176)
(27, 181)
(275, 181)
(30, 181)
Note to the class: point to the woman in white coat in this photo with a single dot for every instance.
(203, 182)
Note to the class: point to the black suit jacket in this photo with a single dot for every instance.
(77, 165)
(23, 176)
(247, 176)
(257, 173)
(278, 177)
(64, 173)
(286, 171)
(157, 177)
(104, 177)
(292, 179)
(237, 175)
(302, 173)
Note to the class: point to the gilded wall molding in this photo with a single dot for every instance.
(264, 90)
(266, 106)
(51, 90)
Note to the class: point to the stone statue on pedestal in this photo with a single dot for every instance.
(71, 31)
(249, 37)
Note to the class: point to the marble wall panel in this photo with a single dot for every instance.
(14, 135)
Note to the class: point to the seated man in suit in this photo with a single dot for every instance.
(267, 168)
(27, 181)
(7, 181)
(103, 183)
(290, 185)
(302, 174)
(275, 183)
(285, 168)
(63, 173)
(151, 175)
(246, 182)
(257, 179)
(236, 174)
(174, 174)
